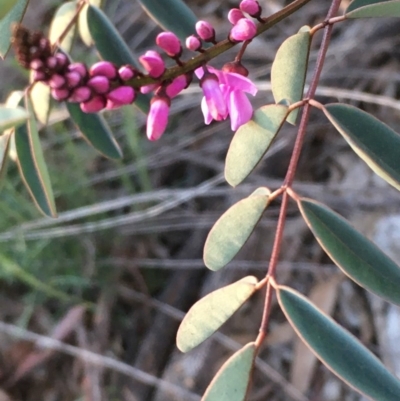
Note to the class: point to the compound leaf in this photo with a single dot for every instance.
(373, 8)
(112, 47)
(171, 15)
(233, 228)
(288, 72)
(232, 380)
(14, 15)
(376, 143)
(32, 165)
(95, 130)
(339, 350)
(207, 315)
(354, 254)
(252, 140)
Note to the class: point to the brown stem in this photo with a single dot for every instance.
(290, 174)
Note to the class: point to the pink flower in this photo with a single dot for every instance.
(251, 7)
(94, 105)
(121, 96)
(235, 15)
(104, 68)
(244, 29)
(170, 43)
(193, 43)
(152, 63)
(205, 30)
(157, 119)
(177, 86)
(213, 96)
(233, 87)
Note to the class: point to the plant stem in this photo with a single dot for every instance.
(291, 171)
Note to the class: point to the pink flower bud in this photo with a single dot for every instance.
(153, 63)
(56, 81)
(39, 76)
(36, 64)
(99, 84)
(94, 105)
(244, 29)
(235, 15)
(62, 60)
(44, 44)
(105, 68)
(81, 94)
(60, 94)
(157, 119)
(51, 62)
(122, 95)
(193, 43)
(148, 88)
(73, 79)
(205, 30)
(170, 43)
(127, 72)
(214, 97)
(79, 68)
(251, 7)
(176, 86)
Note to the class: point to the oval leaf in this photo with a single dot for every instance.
(61, 21)
(6, 6)
(252, 140)
(83, 24)
(41, 101)
(339, 350)
(32, 165)
(95, 130)
(288, 72)
(4, 146)
(171, 15)
(232, 230)
(373, 8)
(376, 143)
(232, 380)
(112, 47)
(207, 315)
(356, 255)
(15, 15)
(12, 116)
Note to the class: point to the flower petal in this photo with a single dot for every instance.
(239, 82)
(240, 109)
(206, 112)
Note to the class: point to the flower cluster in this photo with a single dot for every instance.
(106, 86)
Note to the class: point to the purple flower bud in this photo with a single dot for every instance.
(153, 63)
(62, 60)
(44, 44)
(104, 68)
(170, 43)
(127, 72)
(235, 15)
(244, 29)
(205, 30)
(122, 95)
(81, 94)
(73, 79)
(51, 62)
(60, 94)
(79, 68)
(148, 88)
(157, 119)
(100, 84)
(251, 7)
(214, 97)
(193, 43)
(94, 105)
(56, 81)
(36, 64)
(39, 76)
(176, 86)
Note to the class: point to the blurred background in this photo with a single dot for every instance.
(91, 301)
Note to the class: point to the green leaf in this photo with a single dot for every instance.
(61, 20)
(6, 6)
(232, 380)
(171, 15)
(13, 100)
(252, 140)
(41, 101)
(4, 146)
(233, 229)
(12, 116)
(373, 8)
(95, 130)
(112, 47)
(376, 143)
(15, 15)
(354, 254)
(339, 350)
(83, 24)
(32, 165)
(207, 315)
(288, 72)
